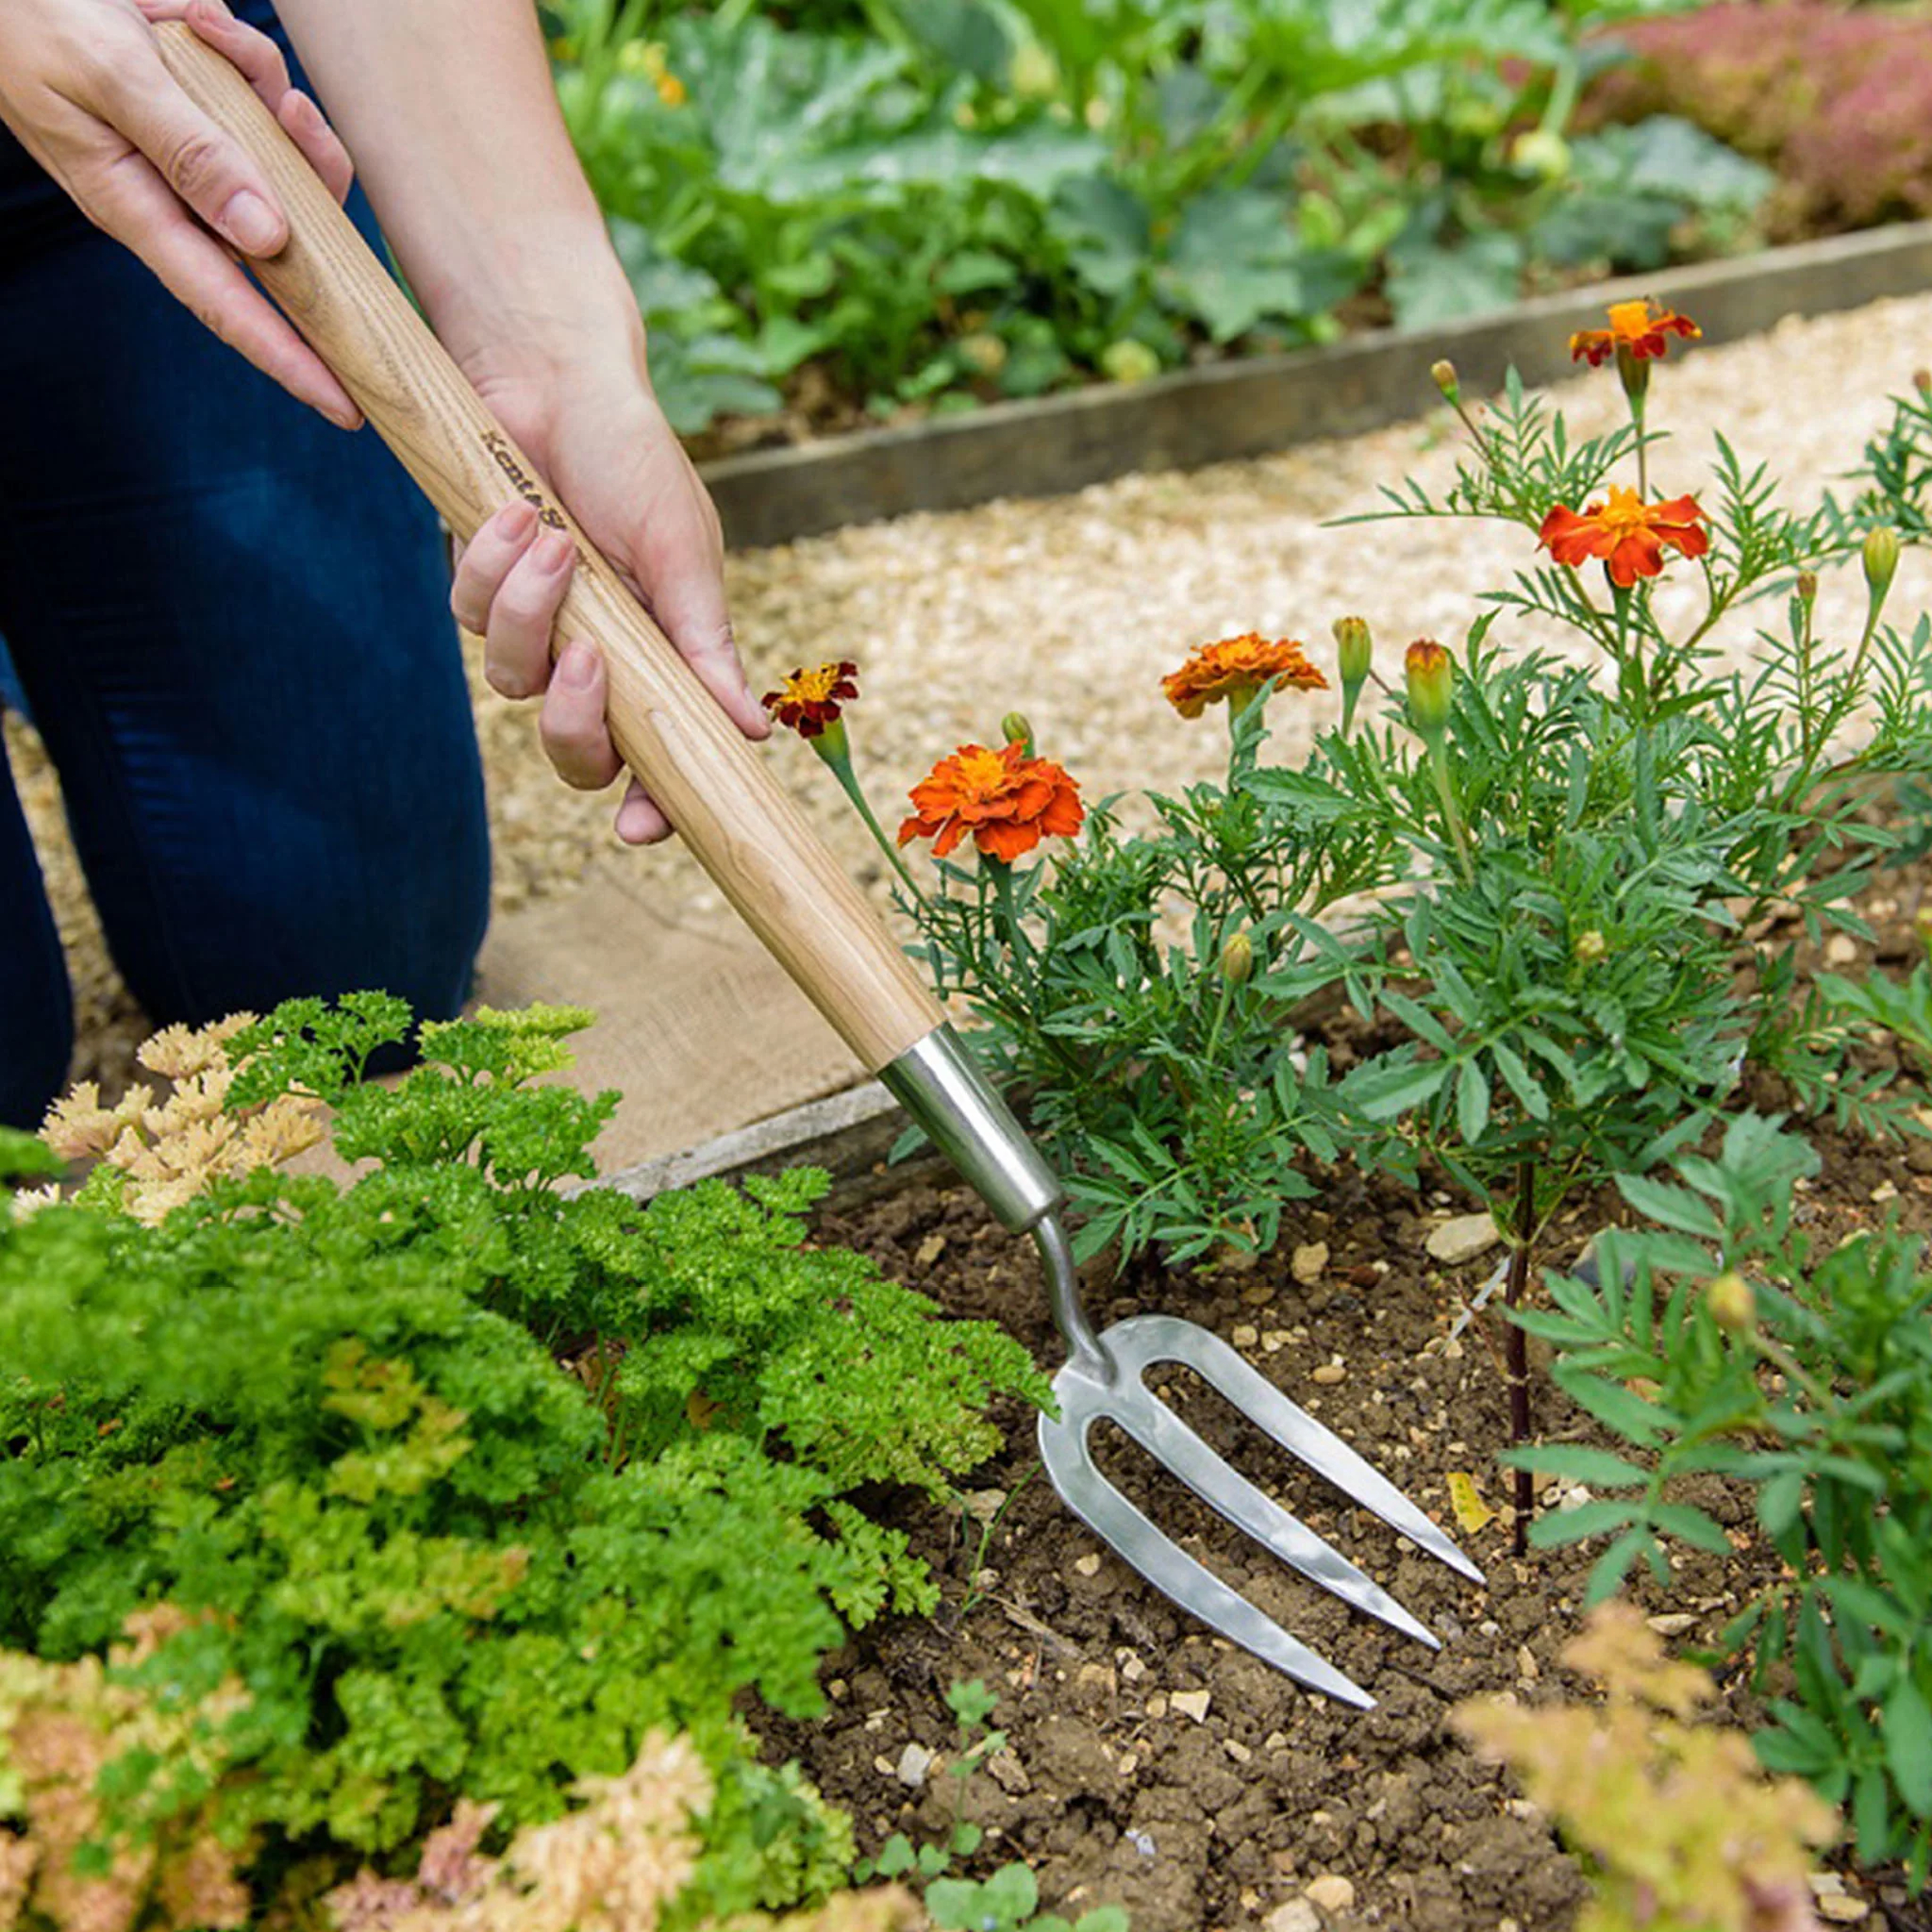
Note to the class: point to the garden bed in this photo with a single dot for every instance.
(1151, 1763)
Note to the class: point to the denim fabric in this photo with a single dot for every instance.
(230, 622)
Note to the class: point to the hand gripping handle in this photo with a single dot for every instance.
(745, 832)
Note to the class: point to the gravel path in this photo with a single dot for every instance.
(1071, 609)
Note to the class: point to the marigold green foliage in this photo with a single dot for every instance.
(472, 1484)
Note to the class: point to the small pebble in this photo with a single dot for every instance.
(1462, 1239)
(1308, 1261)
(1297, 1916)
(1331, 1892)
(1237, 1750)
(1842, 1909)
(1191, 1703)
(1526, 1665)
(1087, 1566)
(915, 1761)
(1245, 1336)
(1006, 1770)
(1671, 1622)
(1840, 949)
(1157, 1705)
(984, 1506)
(1329, 1374)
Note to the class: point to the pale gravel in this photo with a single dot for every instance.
(1070, 610)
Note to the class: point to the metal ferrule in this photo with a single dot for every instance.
(938, 1082)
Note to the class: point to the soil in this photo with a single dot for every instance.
(1151, 1764)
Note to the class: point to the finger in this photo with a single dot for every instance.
(685, 585)
(486, 561)
(132, 203)
(640, 822)
(516, 638)
(572, 726)
(205, 166)
(303, 123)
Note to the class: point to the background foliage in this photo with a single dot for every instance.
(856, 209)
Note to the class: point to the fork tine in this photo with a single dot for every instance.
(1164, 1564)
(1144, 1338)
(1216, 1481)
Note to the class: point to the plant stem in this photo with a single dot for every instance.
(1517, 1349)
(840, 764)
(1439, 767)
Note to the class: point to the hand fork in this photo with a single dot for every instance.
(775, 872)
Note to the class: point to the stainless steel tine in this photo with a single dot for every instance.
(1168, 1567)
(1148, 1338)
(1222, 1486)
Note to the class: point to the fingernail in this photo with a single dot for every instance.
(250, 223)
(517, 521)
(554, 551)
(576, 667)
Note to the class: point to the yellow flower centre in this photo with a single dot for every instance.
(984, 772)
(1629, 319)
(812, 687)
(1624, 513)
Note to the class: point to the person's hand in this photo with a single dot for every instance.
(84, 90)
(603, 445)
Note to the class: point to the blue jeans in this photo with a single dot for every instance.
(229, 621)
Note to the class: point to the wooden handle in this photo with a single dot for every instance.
(746, 834)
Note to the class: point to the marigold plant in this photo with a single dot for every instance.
(1004, 801)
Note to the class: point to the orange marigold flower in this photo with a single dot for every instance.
(1007, 801)
(1235, 669)
(1629, 535)
(1640, 328)
(809, 700)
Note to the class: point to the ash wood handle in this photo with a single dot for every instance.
(745, 833)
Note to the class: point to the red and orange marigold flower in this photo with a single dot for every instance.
(1234, 669)
(1640, 329)
(1630, 535)
(1005, 800)
(809, 700)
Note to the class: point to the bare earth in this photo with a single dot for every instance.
(1070, 610)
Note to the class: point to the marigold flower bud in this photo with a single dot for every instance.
(1881, 562)
(1015, 730)
(1353, 648)
(1806, 587)
(1442, 375)
(1430, 673)
(1237, 959)
(1589, 948)
(1732, 1303)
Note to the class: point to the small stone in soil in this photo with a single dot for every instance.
(1329, 1374)
(1672, 1623)
(1308, 1261)
(1006, 1770)
(1331, 1892)
(1087, 1566)
(1462, 1239)
(1191, 1703)
(1297, 1916)
(1245, 1336)
(915, 1761)
(1841, 1909)
(984, 1506)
